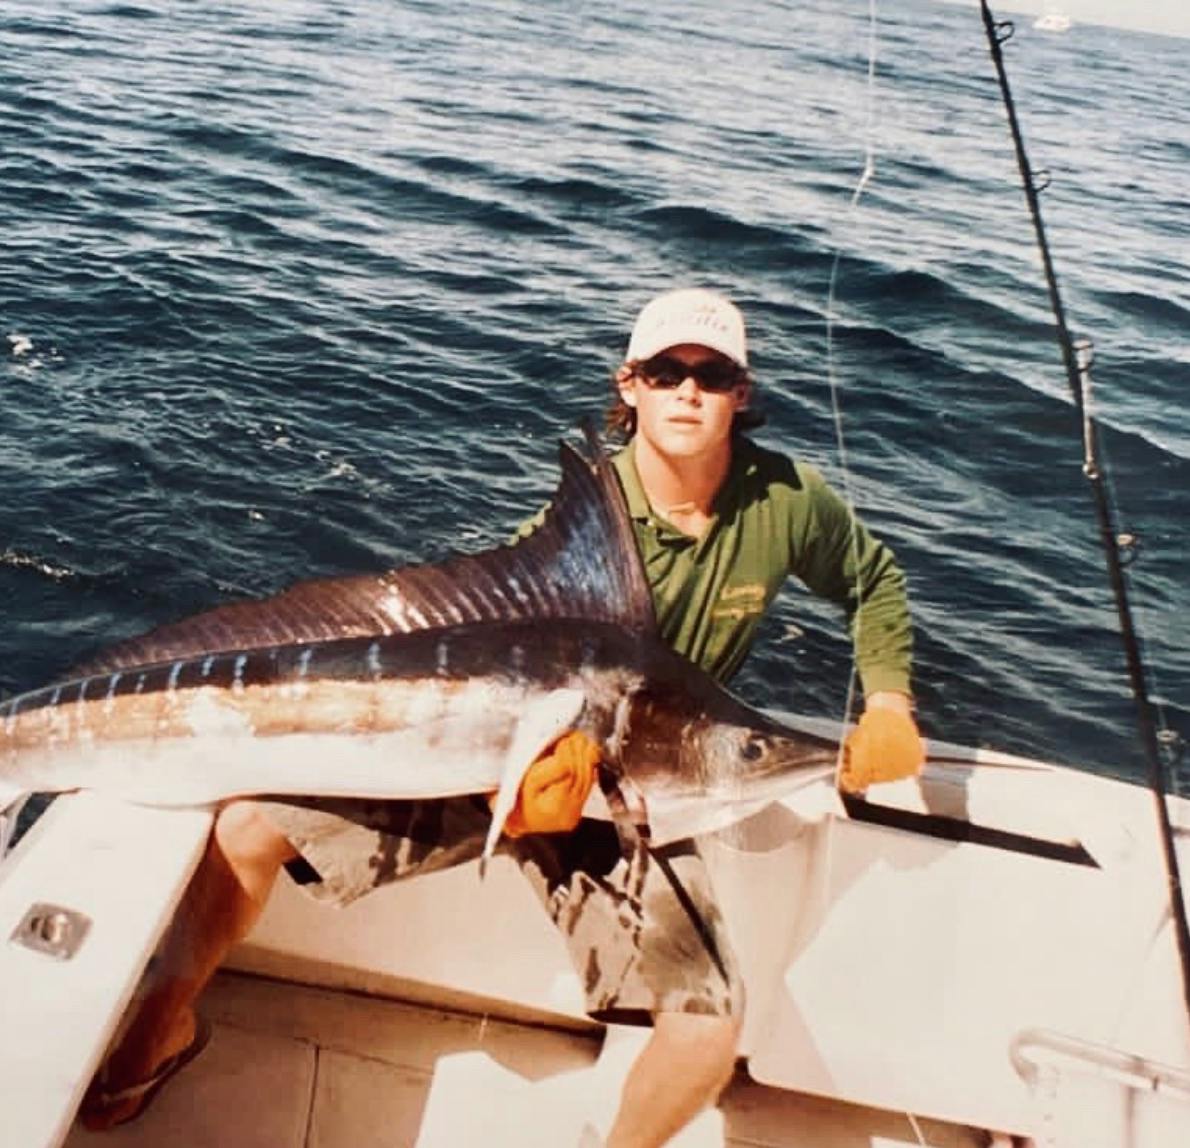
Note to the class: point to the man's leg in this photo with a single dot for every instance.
(224, 900)
(686, 1064)
(647, 941)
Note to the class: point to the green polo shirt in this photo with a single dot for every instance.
(772, 517)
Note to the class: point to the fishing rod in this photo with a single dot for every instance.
(1119, 546)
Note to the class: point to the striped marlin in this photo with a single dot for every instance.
(428, 681)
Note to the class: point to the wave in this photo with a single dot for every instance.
(1159, 309)
(125, 12)
(18, 560)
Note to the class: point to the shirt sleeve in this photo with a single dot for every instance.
(851, 567)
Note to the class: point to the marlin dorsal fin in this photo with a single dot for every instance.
(581, 562)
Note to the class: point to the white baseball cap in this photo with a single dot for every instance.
(689, 315)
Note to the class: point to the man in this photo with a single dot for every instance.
(721, 524)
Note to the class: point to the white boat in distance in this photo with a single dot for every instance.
(1052, 20)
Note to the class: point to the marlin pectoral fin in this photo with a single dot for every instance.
(542, 723)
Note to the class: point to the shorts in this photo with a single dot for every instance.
(644, 933)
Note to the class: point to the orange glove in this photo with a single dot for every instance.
(555, 788)
(884, 746)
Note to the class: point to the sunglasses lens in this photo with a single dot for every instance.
(665, 373)
(717, 376)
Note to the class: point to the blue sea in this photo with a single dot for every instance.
(305, 288)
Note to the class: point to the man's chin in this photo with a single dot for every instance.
(685, 441)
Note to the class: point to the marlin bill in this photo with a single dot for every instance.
(428, 681)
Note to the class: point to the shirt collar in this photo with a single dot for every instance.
(634, 493)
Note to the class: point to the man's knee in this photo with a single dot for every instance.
(711, 1041)
(246, 837)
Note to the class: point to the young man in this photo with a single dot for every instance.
(721, 524)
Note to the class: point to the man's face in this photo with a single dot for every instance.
(684, 414)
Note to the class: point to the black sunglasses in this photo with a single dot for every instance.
(665, 372)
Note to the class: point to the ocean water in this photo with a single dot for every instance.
(303, 288)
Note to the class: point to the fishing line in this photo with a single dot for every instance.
(837, 414)
(865, 177)
(1130, 545)
(1077, 361)
(921, 1140)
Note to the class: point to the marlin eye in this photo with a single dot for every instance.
(753, 749)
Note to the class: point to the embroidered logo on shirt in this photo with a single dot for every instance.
(736, 602)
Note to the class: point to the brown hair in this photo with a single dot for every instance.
(620, 420)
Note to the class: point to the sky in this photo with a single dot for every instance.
(1171, 17)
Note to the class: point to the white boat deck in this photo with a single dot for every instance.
(291, 1066)
(1026, 980)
